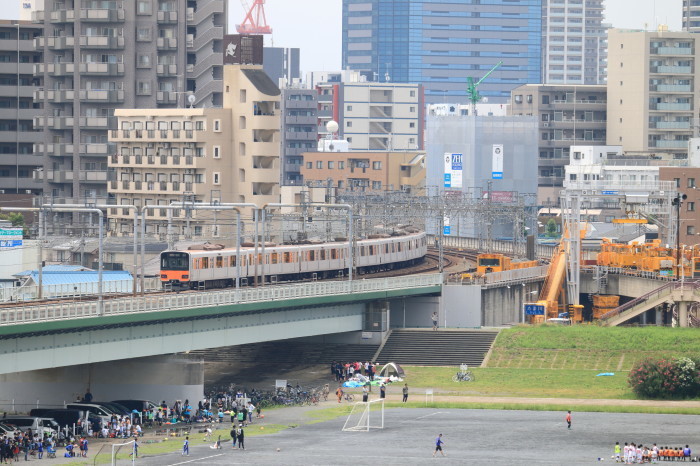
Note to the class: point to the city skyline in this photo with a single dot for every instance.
(324, 54)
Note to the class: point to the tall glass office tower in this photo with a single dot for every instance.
(439, 43)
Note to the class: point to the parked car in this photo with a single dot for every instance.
(116, 408)
(25, 423)
(69, 417)
(103, 412)
(6, 429)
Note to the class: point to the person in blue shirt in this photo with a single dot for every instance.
(438, 445)
(186, 447)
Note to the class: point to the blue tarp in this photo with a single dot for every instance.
(605, 373)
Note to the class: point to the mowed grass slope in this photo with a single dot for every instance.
(589, 347)
(561, 362)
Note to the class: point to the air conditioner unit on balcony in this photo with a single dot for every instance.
(545, 124)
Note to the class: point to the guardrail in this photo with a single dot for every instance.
(174, 301)
(652, 295)
(516, 275)
(78, 290)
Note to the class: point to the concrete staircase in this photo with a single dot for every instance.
(437, 348)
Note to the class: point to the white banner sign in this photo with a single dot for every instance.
(453, 170)
(497, 162)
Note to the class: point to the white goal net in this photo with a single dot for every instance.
(124, 452)
(365, 416)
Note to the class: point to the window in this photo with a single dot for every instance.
(349, 108)
(319, 164)
(341, 165)
(217, 126)
(143, 34)
(691, 182)
(143, 7)
(377, 185)
(678, 182)
(412, 124)
(217, 178)
(412, 109)
(545, 100)
(518, 99)
(348, 124)
(691, 206)
(331, 164)
(376, 165)
(690, 230)
(242, 95)
(529, 98)
(217, 152)
(143, 88)
(309, 165)
(144, 61)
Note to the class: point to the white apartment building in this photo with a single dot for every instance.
(653, 90)
(574, 42)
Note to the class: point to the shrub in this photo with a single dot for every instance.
(665, 378)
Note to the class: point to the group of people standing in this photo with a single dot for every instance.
(636, 454)
(346, 371)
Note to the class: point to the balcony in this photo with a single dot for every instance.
(54, 69)
(301, 120)
(671, 69)
(670, 88)
(62, 176)
(665, 144)
(61, 16)
(102, 69)
(681, 125)
(300, 136)
(55, 43)
(325, 98)
(56, 123)
(167, 17)
(96, 122)
(166, 70)
(672, 107)
(672, 51)
(56, 150)
(166, 97)
(102, 96)
(94, 176)
(102, 42)
(55, 96)
(164, 43)
(102, 15)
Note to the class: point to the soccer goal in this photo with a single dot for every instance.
(365, 416)
(117, 447)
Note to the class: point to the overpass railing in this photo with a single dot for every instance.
(191, 300)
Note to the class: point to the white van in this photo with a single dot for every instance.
(36, 424)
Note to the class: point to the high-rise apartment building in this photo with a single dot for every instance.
(567, 115)
(653, 90)
(103, 55)
(574, 42)
(299, 132)
(17, 109)
(440, 44)
(691, 15)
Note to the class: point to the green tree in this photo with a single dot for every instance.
(551, 229)
(16, 218)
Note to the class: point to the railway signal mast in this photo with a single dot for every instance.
(254, 21)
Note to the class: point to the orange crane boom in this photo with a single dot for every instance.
(254, 21)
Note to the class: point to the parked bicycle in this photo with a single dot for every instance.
(464, 374)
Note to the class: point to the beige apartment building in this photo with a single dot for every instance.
(365, 171)
(653, 84)
(207, 155)
(568, 115)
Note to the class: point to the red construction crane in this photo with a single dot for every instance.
(255, 21)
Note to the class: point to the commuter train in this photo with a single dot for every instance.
(205, 269)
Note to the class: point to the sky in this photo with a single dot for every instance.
(314, 26)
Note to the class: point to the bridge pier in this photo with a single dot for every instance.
(155, 378)
(683, 314)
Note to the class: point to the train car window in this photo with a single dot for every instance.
(232, 261)
(363, 251)
(244, 261)
(274, 257)
(219, 262)
(398, 246)
(260, 259)
(386, 249)
(334, 254)
(286, 258)
(205, 262)
(323, 254)
(174, 261)
(312, 255)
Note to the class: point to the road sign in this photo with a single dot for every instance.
(534, 309)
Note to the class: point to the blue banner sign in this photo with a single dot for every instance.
(534, 309)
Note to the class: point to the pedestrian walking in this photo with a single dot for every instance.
(365, 393)
(438, 445)
(186, 447)
(339, 393)
(568, 419)
(382, 391)
(405, 392)
(435, 320)
(234, 436)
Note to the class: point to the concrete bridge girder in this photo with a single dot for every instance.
(154, 338)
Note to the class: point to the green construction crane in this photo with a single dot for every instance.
(473, 93)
